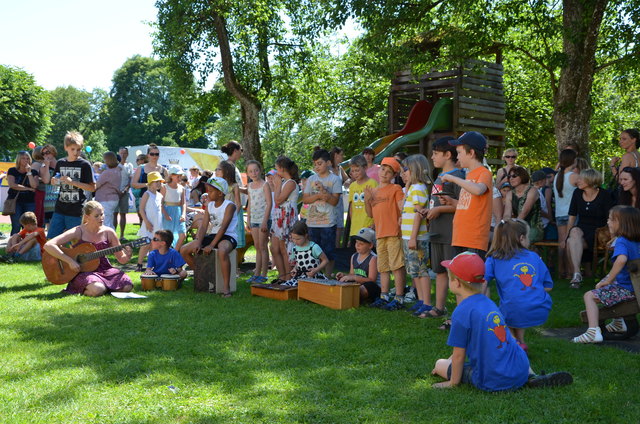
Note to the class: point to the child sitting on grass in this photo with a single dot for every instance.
(220, 215)
(522, 279)
(309, 258)
(478, 331)
(615, 287)
(27, 245)
(364, 265)
(163, 259)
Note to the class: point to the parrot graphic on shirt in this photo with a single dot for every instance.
(500, 331)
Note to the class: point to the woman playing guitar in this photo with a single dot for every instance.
(105, 278)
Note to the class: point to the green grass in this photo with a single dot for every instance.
(71, 359)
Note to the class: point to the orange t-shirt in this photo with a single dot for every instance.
(386, 213)
(472, 220)
(41, 238)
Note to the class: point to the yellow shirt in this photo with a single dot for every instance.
(359, 217)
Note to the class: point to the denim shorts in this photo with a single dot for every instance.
(562, 220)
(466, 374)
(258, 225)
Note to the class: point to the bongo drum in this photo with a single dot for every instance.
(148, 282)
(169, 281)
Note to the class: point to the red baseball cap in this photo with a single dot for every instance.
(467, 266)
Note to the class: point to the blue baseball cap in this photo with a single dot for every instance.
(473, 139)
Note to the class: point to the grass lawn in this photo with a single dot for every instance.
(71, 359)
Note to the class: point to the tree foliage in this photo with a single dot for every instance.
(24, 109)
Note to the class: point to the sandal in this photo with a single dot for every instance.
(434, 313)
(592, 335)
(227, 294)
(446, 325)
(616, 326)
(576, 281)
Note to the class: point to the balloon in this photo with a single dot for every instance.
(182, 151)
(88, 149)
(138, 152)
(31, 145)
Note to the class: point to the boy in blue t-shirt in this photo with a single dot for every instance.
(163, 259)
(478, 331)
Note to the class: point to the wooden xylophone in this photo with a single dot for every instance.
(330, 293)
(274, 291)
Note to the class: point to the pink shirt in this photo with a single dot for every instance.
(373, 171)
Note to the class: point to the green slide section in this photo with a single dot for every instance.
(440, 119)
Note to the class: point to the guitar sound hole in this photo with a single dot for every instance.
(80, 259)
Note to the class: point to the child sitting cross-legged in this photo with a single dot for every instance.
(163, 259)
(615, 287)
(478, 332)
(364, 265)
(220, 215)
(27, 245)
(308, 256)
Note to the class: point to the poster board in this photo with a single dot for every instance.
(205, 159)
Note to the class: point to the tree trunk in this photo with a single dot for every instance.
(572, 100)
(249, 105)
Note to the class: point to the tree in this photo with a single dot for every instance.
(24, 109)
(141, 106)
(241, 41)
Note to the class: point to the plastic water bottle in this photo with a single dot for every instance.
(57, 178)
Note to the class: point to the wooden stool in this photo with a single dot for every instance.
(208, 276)
(549, 244)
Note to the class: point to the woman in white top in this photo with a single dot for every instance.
(564, 184)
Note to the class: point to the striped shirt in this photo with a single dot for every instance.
(415, 199)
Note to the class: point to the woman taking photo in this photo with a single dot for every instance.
(22, 186)
(523, 202)
(588, 211)
(47, 170)
(105, 278)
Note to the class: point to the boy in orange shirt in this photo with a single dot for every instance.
(27, 245)
(472, 220)
(384, 205)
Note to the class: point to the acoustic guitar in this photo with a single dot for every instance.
(85, 254)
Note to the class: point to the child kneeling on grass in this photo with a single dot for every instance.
(309, 258)
(364, 265)
(615, 287)
(496, 362)
(27, 245)
(164, 259)
(220, 215)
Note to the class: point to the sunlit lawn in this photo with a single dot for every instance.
(247, 359)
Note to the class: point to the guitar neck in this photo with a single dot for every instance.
(104, 252)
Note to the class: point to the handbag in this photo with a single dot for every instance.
(9, 207)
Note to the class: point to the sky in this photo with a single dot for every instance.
(74, 42)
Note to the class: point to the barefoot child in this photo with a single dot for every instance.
(522, 279)
(259, 214)
(384, 204)
(309, 258)
(364, 265)
(478, 332)
(150, 212)
(221, 216)
(615, 287)
(163, 259)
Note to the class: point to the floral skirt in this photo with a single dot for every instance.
(612, 294)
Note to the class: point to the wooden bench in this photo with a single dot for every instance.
(626, 310)
(546, 245)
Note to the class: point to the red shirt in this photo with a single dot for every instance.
(41, 237)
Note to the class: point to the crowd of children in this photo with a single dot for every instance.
(405, 220)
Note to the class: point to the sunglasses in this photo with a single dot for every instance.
(513, 176)
(46, 153)
(510, 157)
(156, 239)
(154, 154)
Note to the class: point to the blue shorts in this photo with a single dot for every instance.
(561, 221)
(466, 374)
(61, 223)
(325, 237)
(254, 225)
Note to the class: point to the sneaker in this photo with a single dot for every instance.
(394, 305)
(550, 380)
(260, 279)
(252, 279)
(416, 305)
(410, 296)
(423, 309)
(379, 303)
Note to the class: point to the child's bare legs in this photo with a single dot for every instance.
(385, 282)
(518, 334)
(188, 250)
(263, 240)
(593, 333)
(280, 259)
(398, 278)
(224, 248)
(423, 285)
(181, 238)
(143, 254)
(12, 244)
(442, 289)
(27, 245)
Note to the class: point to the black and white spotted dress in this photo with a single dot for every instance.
(306, 257)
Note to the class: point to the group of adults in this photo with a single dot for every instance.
(569, 202)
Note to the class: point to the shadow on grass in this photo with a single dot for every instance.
(50, 296)
(23, 287)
